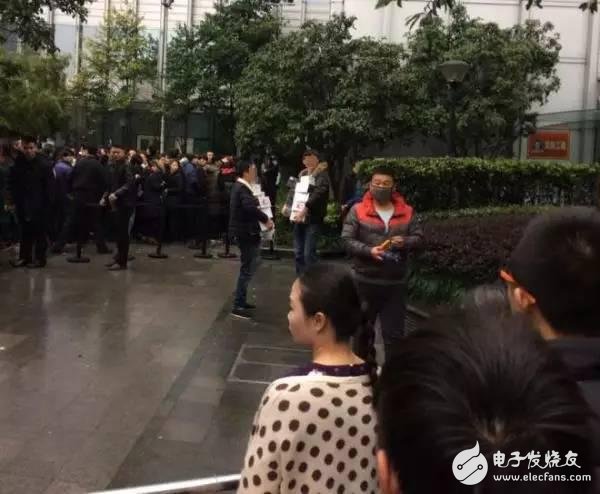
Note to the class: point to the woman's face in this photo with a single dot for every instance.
(301, 326)
(174, 166)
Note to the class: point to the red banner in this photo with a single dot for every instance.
(549, 144)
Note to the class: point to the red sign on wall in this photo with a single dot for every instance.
(549, 144)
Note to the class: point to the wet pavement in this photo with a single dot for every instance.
(127, 378)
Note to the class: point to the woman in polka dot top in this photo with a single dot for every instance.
(314, 431)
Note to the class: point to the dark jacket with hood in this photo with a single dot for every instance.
(364, 229)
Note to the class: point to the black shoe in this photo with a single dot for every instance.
(57, 249)
(21, 263)
(104, 250)
(241, 313)
(36, 265)
(248, 306)
(117, 267)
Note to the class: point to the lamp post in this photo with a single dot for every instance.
(454, 71)
(162, 62)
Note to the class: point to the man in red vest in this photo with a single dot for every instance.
(379, 232)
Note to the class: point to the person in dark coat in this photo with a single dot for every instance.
(175, 190)
(244, 225)
(197, 188)
(270, 179)
(553, 276)
(309, 222)
(30, 183)
(121, 197)
(62, 203)
(152, 212)
(227, 177)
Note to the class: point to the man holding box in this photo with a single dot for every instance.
(379, 232)
(309, 208)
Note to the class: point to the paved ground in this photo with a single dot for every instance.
(128, 378)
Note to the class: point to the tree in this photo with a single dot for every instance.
(33, 94)
(183, 74)
(510, 71)
(433, 7)
(115, 64)
(318, 87)
(26, 20)
(226, 40)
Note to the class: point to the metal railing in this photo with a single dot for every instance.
(221, 483)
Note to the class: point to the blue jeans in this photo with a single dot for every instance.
(250, 257)
(305, 246)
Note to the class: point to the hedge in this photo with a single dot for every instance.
(434, 184)
(462, 250)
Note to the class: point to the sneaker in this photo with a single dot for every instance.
(20, 263)
(117, 267)
(36, 265)
(241, 313)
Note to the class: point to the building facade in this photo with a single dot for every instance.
(573, 107)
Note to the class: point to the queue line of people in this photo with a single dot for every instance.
(166, 197)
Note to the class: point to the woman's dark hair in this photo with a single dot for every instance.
(464, 380)
(331, 289)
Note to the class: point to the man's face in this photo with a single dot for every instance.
(117, 154)
(252, 174)
(30, 149)
(210, 156)
(310, 162)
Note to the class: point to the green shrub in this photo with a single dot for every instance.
(462, 249)
(433, 184)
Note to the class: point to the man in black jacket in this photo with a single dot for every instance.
(244, 225)
(30, 185)
(121, 195)
(553, 276)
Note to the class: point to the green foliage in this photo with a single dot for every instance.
(318, 87)
(432, 184)
(464, 249)
(434, 7)
(33, 93)
(510, 71)
(115, 63)
(27, 20)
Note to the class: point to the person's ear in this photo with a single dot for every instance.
(320, 322)
(521, 299)
(388, 480)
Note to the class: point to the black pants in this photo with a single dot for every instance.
(33, 234)
(122, 216)
(250, 257)
(62, 210)
(388, 303)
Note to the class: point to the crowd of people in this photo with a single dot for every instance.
(64, 195)
(499, 394)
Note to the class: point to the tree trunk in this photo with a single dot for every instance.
(186, 129)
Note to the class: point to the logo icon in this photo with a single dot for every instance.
(469, 466)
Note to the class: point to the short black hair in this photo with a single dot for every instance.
(383, 170)
(311, 152)
(92, 150)
(29, 140)
(464, 380)
(173, 154)
(557, 260)
(242, 167)
(117, 145)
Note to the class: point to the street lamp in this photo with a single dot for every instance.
(162, 62)
(454, 71)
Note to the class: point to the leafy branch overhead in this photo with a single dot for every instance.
(433, 7)
(26, 20)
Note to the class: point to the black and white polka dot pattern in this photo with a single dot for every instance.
(313, 434)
